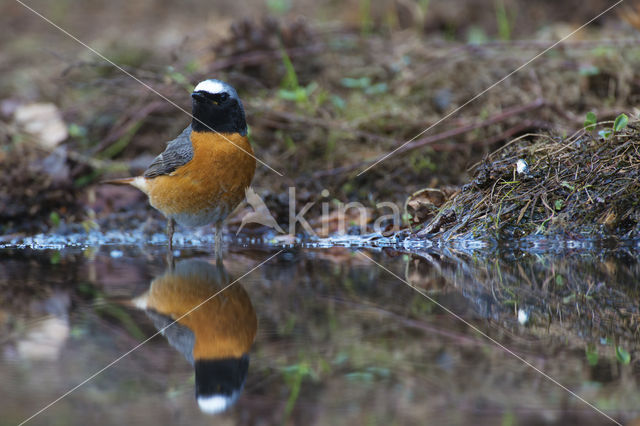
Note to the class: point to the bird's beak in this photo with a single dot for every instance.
(198, 97)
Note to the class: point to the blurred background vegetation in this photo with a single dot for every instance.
(328, 87)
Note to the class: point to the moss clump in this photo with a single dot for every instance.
(583, 186)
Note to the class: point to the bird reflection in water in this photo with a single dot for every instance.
(216, 337)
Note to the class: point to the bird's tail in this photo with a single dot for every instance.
(139, 182)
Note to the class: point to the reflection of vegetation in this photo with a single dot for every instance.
(584, 295)
(122, 316)
(376, 334)
(294, 375)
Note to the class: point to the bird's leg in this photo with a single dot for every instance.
(170, 228)
(170, 261)
(218, 240)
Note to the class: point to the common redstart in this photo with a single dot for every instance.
(214, 330)
(202, 175)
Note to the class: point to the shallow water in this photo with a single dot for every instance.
(331, 336)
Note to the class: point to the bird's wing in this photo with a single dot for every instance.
(178, 153)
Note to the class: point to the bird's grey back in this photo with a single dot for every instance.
(178, 153)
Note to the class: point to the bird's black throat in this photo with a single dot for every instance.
(213, 113)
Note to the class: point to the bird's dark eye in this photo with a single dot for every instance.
(223, 96)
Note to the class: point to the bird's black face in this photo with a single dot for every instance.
(218, 112)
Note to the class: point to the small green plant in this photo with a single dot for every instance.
(118, 146)
(290, 80)
(619, 124)
(54, 217)
(179, 78)
(476, 35)
(592, 355)
(294, 375)
(622, 355)
(590, 122)
(365, 84)
(588, 71)
(337, 101)
(509, 419)
(424, 6)
(364, 10)
(279, 7)
(291, 90)
(77, 131)
(56, 257)
(504, 26)
(356, 83)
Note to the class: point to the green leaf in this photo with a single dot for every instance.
(559, 204)
(279, 7)
(567, 185)
(178, 77)
(54, 217)
(605, 133)
(504, 26)
(311, 87)
(119, 145)
(623, 356)
(376, 89)
(77, 131)
(338, 102)
(476, 35)
(592, 355)
(588, 70)
(621, 122)
(356, 83)
(56, 257)
(299, 94)
(590, 121)
(290, 80)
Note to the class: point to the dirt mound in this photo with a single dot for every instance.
(585, 185)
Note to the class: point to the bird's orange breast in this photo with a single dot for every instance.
(210, 186)
(224, 326)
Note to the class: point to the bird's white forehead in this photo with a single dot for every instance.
(211, 86)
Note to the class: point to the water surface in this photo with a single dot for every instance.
(329, 336)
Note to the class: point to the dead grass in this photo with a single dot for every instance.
(580, 186)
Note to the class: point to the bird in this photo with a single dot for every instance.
(212, 326)
(202, 175)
